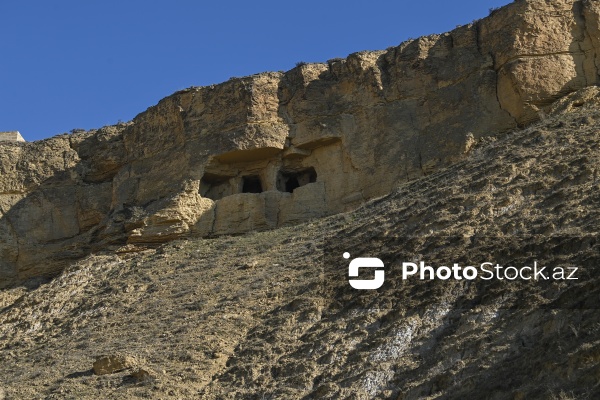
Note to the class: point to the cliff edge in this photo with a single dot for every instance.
(275, 149)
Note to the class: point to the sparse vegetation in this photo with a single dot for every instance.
(243, 316)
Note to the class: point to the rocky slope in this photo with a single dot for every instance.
(265, 315)
(277, 149)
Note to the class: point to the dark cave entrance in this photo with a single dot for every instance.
(214, 186)
(251, 184)
(287, 181)
(291, 184)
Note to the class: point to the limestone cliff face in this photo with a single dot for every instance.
(281, 148)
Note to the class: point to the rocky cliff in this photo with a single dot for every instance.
(253, 316)
(280, 148)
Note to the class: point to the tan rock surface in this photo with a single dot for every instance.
(258, 316)
(113, 363)
(12, 136)
(356, 127)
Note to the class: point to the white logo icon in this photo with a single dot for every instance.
(365, 284)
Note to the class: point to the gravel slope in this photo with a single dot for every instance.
(264, 315)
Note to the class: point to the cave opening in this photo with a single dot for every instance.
(287, 181)
(291, 184)
(251, 184)
(215, 186)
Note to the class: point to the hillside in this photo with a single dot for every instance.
(211, 247)
(263, 315)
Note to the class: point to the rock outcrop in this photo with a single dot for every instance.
(280, 148)
(11, 136)
(271, 314)
(113, 363)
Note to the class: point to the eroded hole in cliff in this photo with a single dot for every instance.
(215, 187)
(287, 181)
(251, 184)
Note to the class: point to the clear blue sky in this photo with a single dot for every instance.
(68, 64)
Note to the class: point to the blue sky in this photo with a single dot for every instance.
(68, 64)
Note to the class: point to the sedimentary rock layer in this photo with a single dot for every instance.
(280, 148)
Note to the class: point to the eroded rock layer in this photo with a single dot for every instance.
(281, 148)
(271, 314)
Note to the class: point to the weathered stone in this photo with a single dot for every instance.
(113, 363)
(240, 213)
(281, 148)
(306, 202)
(12, 136)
